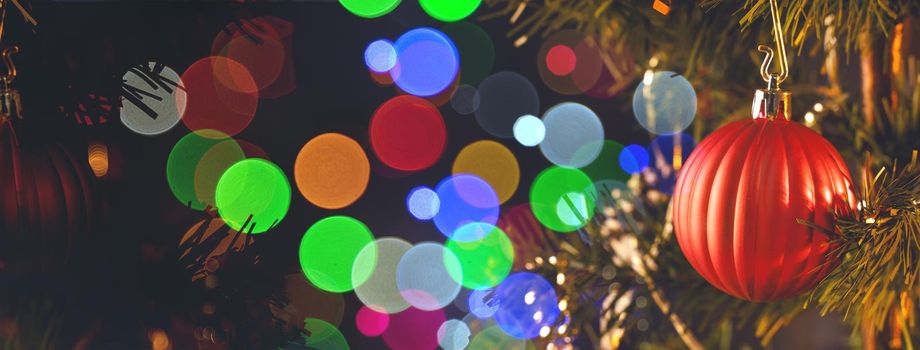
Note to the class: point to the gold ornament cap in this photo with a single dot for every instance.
(772, 103)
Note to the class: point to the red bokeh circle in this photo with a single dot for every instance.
(211, 103)
(370, 322)
(257, 45)
(560, 60)
(408, 133)
(414, 329)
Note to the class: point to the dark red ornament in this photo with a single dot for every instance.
(46, 205)
(737, 199)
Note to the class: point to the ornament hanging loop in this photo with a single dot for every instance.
(773, 103)
(780, 46)
(10, 100)
(6, 55)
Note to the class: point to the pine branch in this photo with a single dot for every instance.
(643, 263)
(879, 249)
(848, 17)
(633, 231)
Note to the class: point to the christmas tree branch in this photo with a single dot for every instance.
(879, 249)
(627, 249)
(850, 18)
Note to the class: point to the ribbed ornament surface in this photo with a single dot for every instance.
(46, 204)
(736, 203)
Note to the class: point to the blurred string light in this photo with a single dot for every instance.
(482, 303)
(560, 60)
(465, 199)
(414, 329)
(664, 102)
(667, 154)
(374, 272)
(222, 95)
(329, 249)
(453, 335)
(427, 276)
(574, 135)
(158, 339)
(408, 133)
(634, 159)
(811, 116)
(477, 52)
(559, 199)
(529, 304)
(449, 10)
(484, 262)
(465, 100)
(529, 130)
(494, 337)
(809, 119)
(261, 45)
(505, 97)
(380, 56)
(427, 62)
(492, 162)
(319, 334)
(332, 171)
(253, 196)
(369, 9)
(182, 164)
(98, 158)
(153, 98)
(212, 165)
(570, 63)
(607, 167)
(423, 203)
(370, 322)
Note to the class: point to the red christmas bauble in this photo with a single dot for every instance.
(46, 205)
(736, 203)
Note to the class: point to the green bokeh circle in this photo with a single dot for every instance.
(322, 335)
(212, 165)
(477, 53)
(253, 187)
(449, 10)
(369, 8)
(555, 191)
(607, 164)
(329, 249)
(183, 161)
(374, 275)
(494, 337)
(484, 262)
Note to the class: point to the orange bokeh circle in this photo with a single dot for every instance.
(332, 171)
(494, 163)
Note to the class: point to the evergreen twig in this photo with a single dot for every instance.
(879, 249)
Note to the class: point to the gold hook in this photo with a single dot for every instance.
(765, 66)
(781, 48)
(8, 62)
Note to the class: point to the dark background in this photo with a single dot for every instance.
(120, 283)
